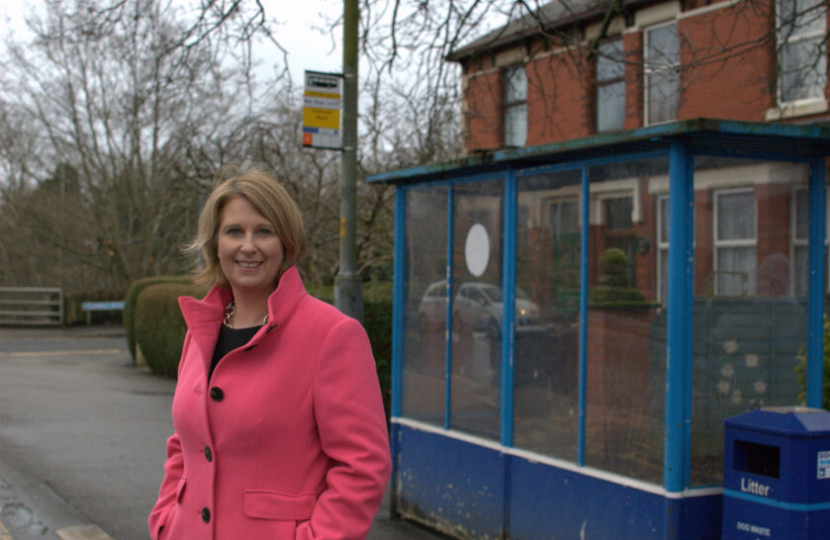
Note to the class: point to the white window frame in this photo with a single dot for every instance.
(649, 70)
(614, 189)
(510, 139)
(796, 242)
(662, 244)
(552, 202)
(785, 37)
(717, 243)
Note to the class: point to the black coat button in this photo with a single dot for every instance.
(205, 515)
(208, 453)
(216, 394)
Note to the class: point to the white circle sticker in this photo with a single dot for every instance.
(477, 249)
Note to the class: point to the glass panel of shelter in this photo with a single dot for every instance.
(749, 327)
(425, 309)
(747, 341)
(477, 307)
(626, 348)
(546, 354)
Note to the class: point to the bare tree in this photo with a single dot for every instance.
(119, 97)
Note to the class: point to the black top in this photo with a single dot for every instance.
(230, 339)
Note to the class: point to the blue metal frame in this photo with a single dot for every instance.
(398, 302)
(587, 163)
(690, 299)
(508, 320)
(678, 339)
(750, 155)
(817, 281)
(399, 272)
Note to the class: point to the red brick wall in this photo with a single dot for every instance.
(773, 247)
(633, 47)
(559, 99)
(483, 116)
(646, 263)
(726, 79)
(704, 258)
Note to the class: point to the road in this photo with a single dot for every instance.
(79, 419)
(82, 437)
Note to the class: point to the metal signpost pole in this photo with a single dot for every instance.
(348, 289)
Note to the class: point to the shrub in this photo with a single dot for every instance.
(130, 304)
(801, 369)
(377, 319)
(159, 326)
(612, 286)
(613, 263)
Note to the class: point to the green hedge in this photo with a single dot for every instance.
(377, 319)
(130, 304)
(159, 325)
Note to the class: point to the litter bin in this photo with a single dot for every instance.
(776, 478)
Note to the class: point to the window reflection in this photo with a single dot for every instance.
(425, 312)
(749, 328)
(477, 308)
(546, 363)
(626, 323)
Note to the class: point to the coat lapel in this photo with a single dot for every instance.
(204, 317)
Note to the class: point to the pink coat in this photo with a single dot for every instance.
(289, 439)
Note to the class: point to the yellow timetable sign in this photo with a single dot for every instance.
(321, 110)
(321, 118)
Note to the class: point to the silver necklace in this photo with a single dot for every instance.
(229, 312)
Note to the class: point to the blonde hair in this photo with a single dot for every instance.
(270, 199)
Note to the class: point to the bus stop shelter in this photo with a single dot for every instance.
(573, 323)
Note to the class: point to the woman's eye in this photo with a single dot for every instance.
(233, 231)
(265, 231)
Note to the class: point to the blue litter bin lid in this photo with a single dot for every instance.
(793, 421)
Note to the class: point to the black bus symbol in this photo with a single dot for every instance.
(322, 83)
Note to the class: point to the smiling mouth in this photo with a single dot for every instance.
(248, 264)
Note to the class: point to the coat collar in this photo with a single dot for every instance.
(203, 317)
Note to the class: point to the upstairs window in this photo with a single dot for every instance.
(802, 50)
(610, 79)
(515, 106)
(662, 79)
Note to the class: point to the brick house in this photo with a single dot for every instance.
(575, 72)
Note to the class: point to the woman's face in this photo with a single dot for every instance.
(249, 250)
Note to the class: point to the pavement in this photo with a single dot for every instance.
(78, 421)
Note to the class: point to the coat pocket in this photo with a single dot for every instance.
(265, 504)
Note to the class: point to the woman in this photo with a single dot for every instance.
(280, 432)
